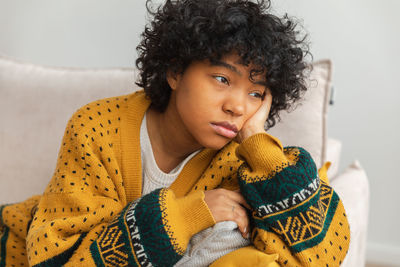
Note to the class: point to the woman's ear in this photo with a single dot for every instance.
(172, 79)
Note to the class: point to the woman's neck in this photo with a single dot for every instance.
(170, 141)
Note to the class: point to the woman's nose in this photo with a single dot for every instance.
(234, 104)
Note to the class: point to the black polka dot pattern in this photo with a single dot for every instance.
(82, 196)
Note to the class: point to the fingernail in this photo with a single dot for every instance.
(245, 229)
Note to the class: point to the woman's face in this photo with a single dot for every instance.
(214, 100)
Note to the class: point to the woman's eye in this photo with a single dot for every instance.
(257, 95)
(222, 79)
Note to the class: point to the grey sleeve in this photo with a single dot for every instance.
(212, 243)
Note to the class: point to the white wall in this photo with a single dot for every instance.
(360, 36)
(90, 33)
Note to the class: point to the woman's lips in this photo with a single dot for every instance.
(225, 129)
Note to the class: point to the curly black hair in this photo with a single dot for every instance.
(183, 31)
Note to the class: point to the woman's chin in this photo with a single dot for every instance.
(216, 144)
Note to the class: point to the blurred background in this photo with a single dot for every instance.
(361, 37)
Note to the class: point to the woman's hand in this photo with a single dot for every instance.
(226, 205)
(255, 124)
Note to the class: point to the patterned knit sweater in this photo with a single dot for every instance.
(92, 212)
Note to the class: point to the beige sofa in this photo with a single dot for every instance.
(37, 101)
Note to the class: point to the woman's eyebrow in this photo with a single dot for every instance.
(220, 63)
(225, 65)
(263, 83)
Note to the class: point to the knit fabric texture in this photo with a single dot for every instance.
(93, 212)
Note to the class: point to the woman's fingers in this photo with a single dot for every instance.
(226, 205)
(239, 216)
(255, 124)
(236, 196)
(233, 211)
(267, 103)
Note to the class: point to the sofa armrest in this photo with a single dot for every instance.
(353, 188)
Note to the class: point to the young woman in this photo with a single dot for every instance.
(183, 173)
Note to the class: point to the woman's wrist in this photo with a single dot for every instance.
(262, 152)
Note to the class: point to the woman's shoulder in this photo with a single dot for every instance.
(109, 105)
(103, 112)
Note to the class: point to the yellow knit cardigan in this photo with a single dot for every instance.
(92, 212)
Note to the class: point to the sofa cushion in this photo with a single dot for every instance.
(36, 103)
(305, 126)
(333, 154)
